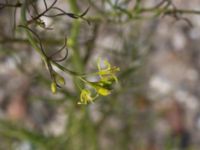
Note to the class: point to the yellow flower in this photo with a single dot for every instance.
(107, 72)
(86, 97)
(101, 87)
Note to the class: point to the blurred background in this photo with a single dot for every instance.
(155, 105)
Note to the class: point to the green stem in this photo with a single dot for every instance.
(30, 38)
(65, 69)
(183, 11)
(76, 58)
(86, 125)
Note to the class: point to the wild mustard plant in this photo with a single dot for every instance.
(106, 75)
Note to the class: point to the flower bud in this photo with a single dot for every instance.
(103, 91)
(53, 87)
(60, 79)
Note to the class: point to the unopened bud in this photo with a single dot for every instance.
(53, 87)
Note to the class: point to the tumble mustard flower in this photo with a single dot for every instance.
(101, 87)
(108, 71)
(86, 97)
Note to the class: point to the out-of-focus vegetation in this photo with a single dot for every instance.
(154, 105)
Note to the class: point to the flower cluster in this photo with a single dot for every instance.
(101, 87)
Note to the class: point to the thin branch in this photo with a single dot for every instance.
(4, 5)
(38, 38)
(45, 3)
(75, 16)
(20, 40)
(42, 14)
(182, 11)
(60, 50)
